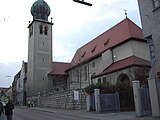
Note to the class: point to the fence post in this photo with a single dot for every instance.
(117, 101)
(137, 100)
(88, 100)
(153, 96)
(97, 101)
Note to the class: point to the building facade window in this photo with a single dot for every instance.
(92, 76)
(151, 50)
(78, 80)
(99, 80)
(85, 72)
(104, 80)
(93, 64)
(156, 3)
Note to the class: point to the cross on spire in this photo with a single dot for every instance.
(125, 12)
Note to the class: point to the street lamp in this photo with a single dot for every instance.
(82, 2)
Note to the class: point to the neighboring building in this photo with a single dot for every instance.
(150, 18)
(4, 89)
(8, 93)
(21, 85)
(15, 85)
(58, 76)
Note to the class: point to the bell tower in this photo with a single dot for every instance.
(39, 49)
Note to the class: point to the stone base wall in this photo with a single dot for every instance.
(63, 100)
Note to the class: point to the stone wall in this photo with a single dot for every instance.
(63, 100)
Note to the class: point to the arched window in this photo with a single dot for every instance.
(45, 30)
(41, 29)
(85, 72)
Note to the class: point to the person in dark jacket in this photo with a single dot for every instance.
(9, 110)
(1, 108)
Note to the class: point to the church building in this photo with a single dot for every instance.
(118, 54)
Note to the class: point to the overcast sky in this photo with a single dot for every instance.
(74, 25)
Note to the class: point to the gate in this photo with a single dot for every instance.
(145, 101)
(109, 102)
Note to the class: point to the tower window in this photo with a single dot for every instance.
(46, 30)
(43, 29)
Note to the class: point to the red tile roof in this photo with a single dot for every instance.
(59, 68)
(121, 32)
(127, 62)
(4, 89)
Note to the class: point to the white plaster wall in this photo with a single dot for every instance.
(141, 50)
(82, 82)
(123, 51)
(98, 68)
(107, 58)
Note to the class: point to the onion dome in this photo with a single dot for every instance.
(40, 10)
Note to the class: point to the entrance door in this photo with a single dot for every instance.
(125, 93)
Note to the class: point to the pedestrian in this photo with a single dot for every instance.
(32, 103)
(9, 110)
(1, 108)
(29, 103)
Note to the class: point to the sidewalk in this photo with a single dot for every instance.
(2, 117)
(94, 115)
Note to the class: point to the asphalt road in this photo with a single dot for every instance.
(29, 114)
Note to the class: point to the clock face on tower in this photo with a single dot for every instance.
(43, 29)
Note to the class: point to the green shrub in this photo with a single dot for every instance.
(90, 89)
(105, 88)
